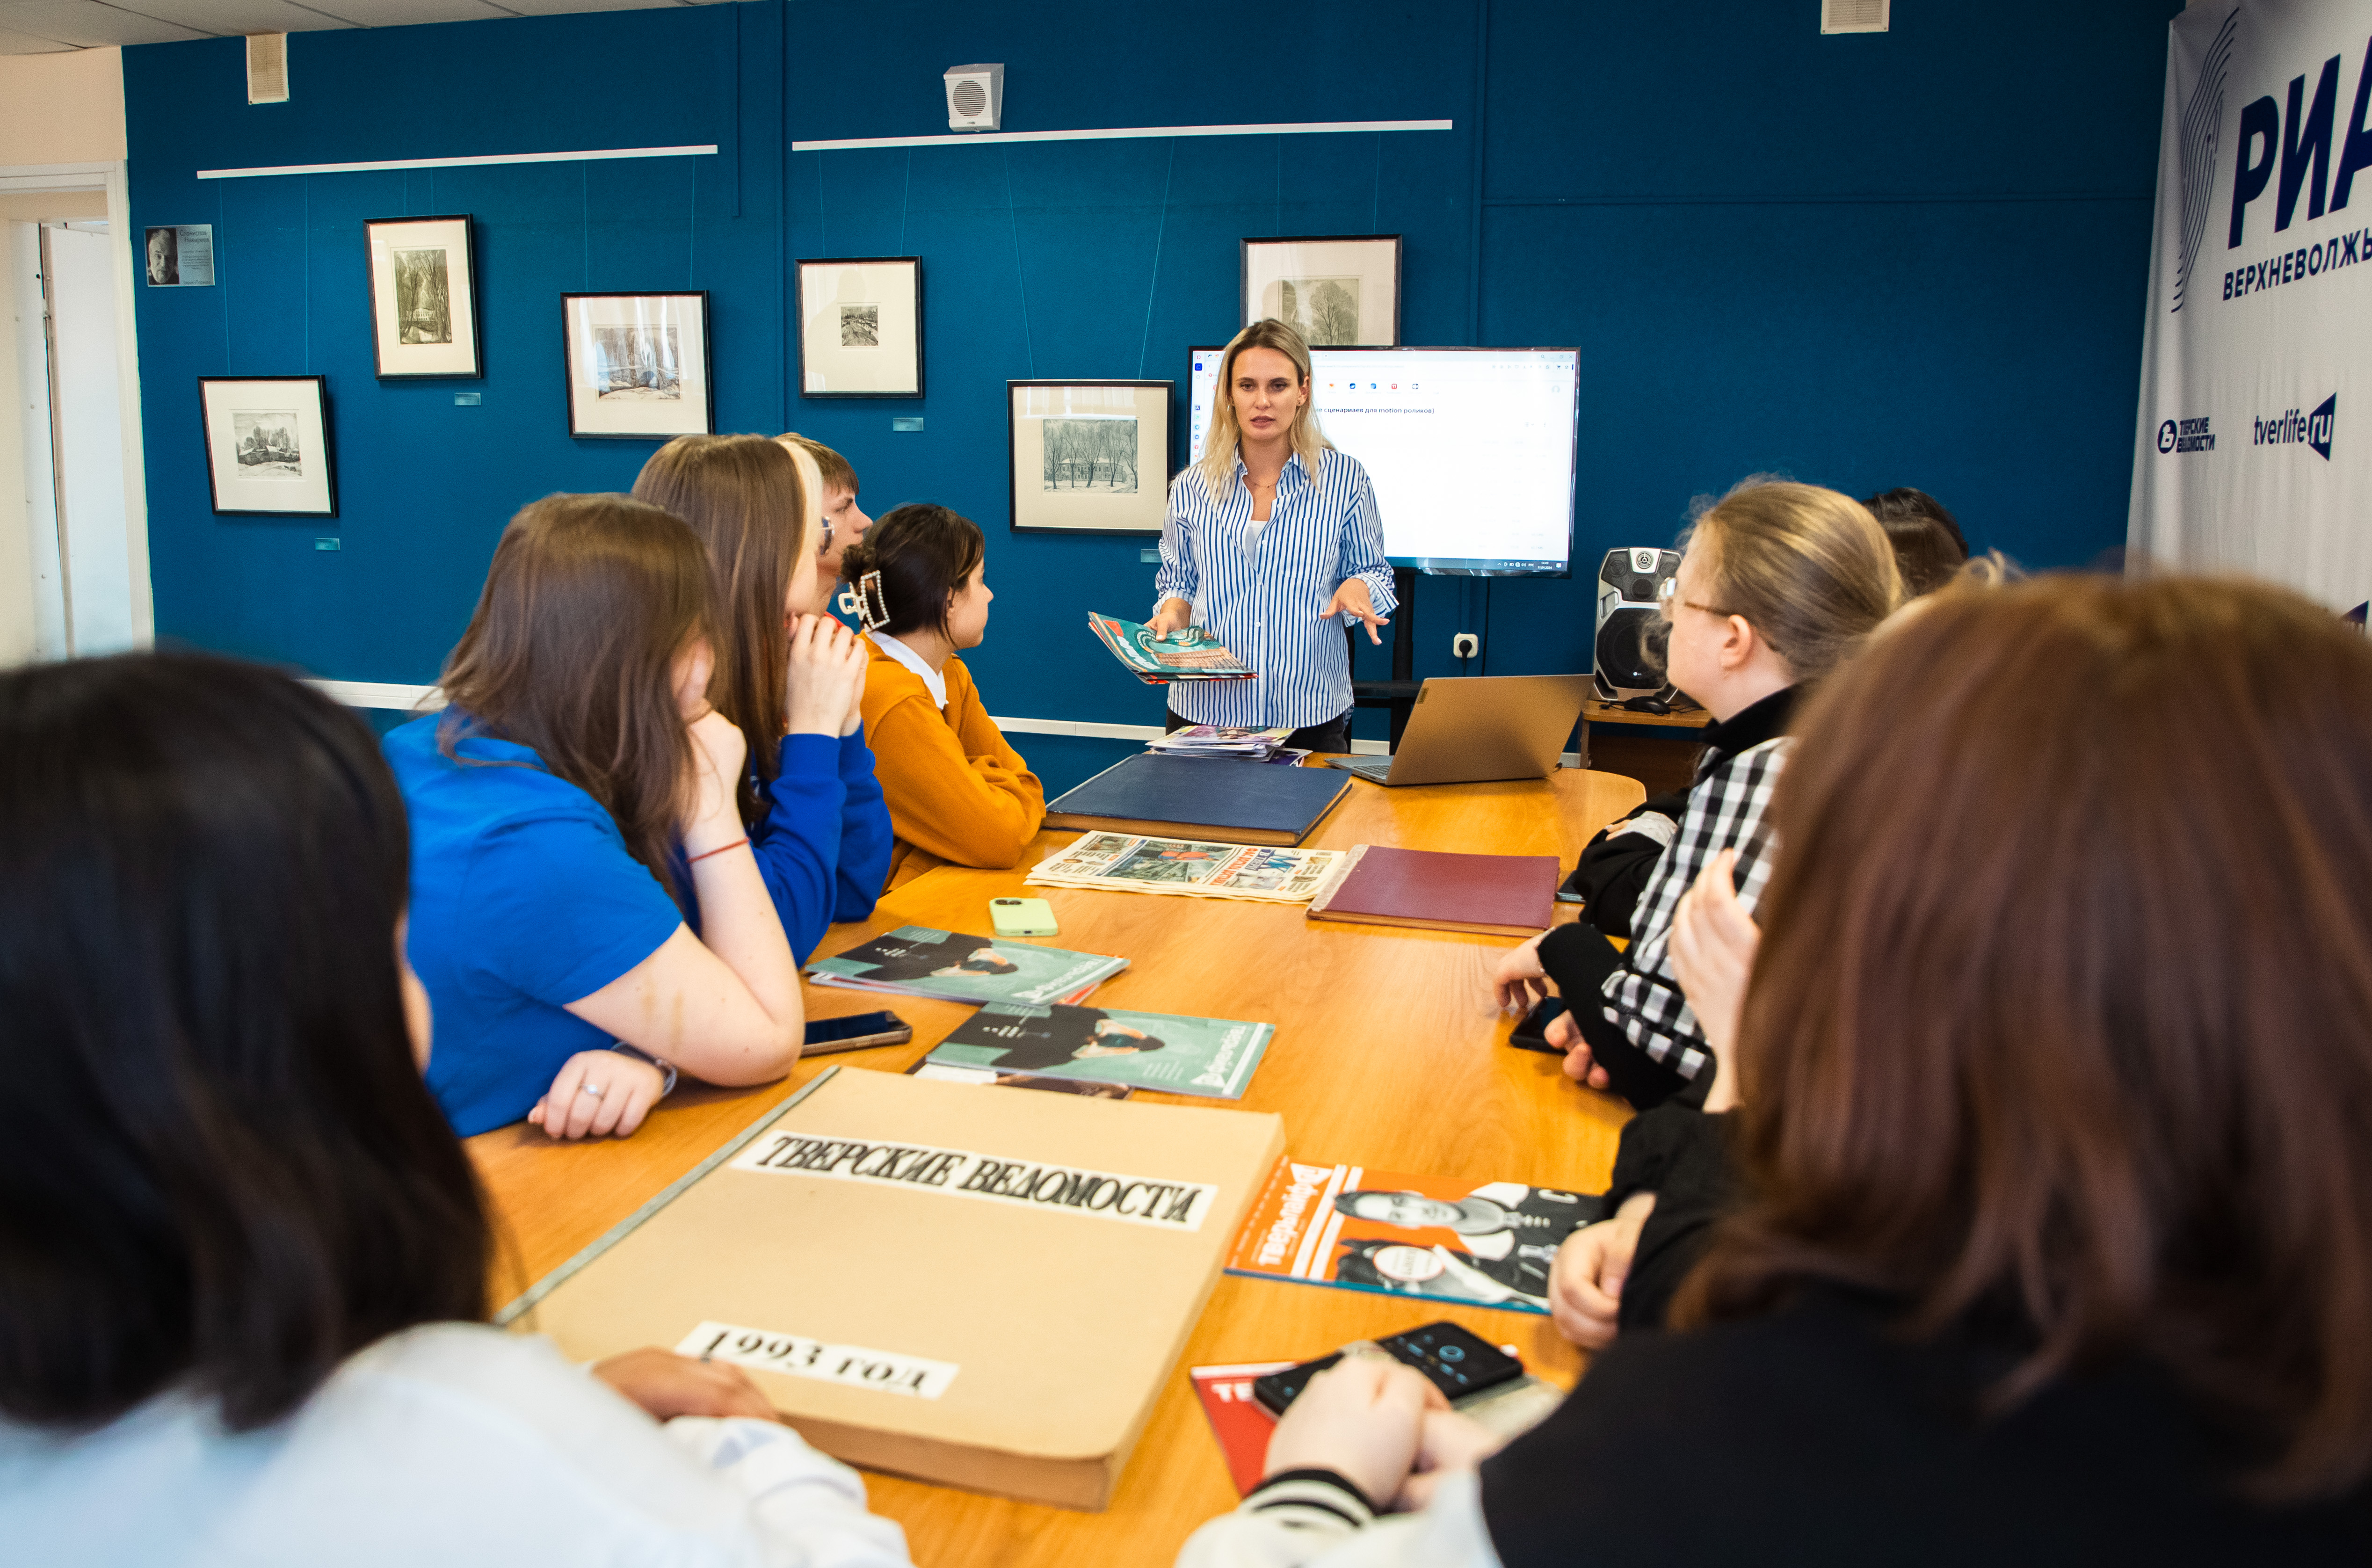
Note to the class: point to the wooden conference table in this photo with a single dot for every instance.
(1387, 1053)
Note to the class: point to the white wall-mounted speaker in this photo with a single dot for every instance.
(975, 97)
(267, 67)
(1854, 16)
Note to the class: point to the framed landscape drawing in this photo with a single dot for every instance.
(267, 443)
(1338, 291)
(424, 295)
(1091, 457)
(639, 365)
(861, 327)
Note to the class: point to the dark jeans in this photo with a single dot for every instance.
(1333, 736)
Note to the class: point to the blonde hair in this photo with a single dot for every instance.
(1809, 569)
(1218, 460)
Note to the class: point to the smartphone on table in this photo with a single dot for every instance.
(1022, 917)
(1454, 1360)
(857, 1031)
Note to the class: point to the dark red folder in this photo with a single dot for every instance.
(1510, 894)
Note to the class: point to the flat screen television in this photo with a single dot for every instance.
(1470, 450)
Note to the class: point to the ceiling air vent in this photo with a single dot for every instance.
(1854, 16)
(267, 67)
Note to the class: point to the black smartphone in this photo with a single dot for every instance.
(1456, 1362)
(1531, 1034)
(857, 1030)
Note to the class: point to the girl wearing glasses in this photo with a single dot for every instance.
(1779, 581)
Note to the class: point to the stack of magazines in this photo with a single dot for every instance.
(1191, 654)
(1127, 863)
(1228, 740)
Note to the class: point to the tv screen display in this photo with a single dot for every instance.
(1470, 450)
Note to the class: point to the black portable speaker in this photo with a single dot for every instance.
(1628, 582)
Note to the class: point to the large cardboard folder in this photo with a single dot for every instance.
(1202, 797)
(979, 1286)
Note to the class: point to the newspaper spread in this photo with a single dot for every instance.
(1132, 863)
(1191, 653)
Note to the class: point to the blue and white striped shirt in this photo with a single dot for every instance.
(1259, 587)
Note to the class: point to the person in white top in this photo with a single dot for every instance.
(243, 1272)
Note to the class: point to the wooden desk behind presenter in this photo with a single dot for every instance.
(1387, 1053)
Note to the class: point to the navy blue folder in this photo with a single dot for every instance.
(1245, 803)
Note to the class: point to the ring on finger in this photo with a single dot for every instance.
(593, 1090)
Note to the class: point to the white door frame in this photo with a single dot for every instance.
(112, 178)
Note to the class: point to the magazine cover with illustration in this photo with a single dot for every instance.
(925, 962)
(1135, 864)
(1486, 1244)
(1211, 1057)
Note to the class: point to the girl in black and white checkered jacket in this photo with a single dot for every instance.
(1779, 582)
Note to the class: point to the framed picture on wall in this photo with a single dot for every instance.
(1338, 291)
(1089, 456)
(423, 297)
(639, 365)
(267, 442)
(861, 327)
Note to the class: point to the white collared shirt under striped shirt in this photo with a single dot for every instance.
(1259, 587)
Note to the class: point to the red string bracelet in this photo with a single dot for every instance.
(720, 849)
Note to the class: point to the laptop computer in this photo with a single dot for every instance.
(1470, 729)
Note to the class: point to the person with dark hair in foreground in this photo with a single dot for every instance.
(243, 1261)
(1929, 548)
(958, 792)
(2055, 1064)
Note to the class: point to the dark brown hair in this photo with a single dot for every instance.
(1929, 547)
(219, 1168)
(835, 470)
(2063, 1014)
(743, 496)
(571, 654)
(924, 553)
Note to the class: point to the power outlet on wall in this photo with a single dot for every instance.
(1466, 645)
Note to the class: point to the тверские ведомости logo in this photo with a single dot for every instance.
(2185, 436)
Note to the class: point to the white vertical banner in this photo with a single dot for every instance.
(2254, 447)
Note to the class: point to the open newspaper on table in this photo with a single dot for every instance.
(1129, 863)
(1191, 653)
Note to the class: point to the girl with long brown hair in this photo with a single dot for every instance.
(791, 682)
(571, 810)
(2056, 1062)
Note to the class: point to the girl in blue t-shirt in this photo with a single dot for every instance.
(814, 812)
(573, 821)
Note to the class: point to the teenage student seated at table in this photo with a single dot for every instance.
(587, 912)
(808, 796)
(959, 795)
(1777, 582)
(845, 521)
(1272, 538)
(2056, 1055)
(246, 1262)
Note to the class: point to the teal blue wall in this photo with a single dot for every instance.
(1915, 257)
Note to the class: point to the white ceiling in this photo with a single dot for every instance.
(49, 27)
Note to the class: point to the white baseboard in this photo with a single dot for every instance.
(388, 696)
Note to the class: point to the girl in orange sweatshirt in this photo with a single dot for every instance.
(957, 793)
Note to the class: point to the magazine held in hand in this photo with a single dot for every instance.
(1486, 1244)
(916, 960)
(986, 1291)
(1211, 1057)
(1191, 653)
(1132, 863)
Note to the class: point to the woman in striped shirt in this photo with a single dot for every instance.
(1273, 539)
